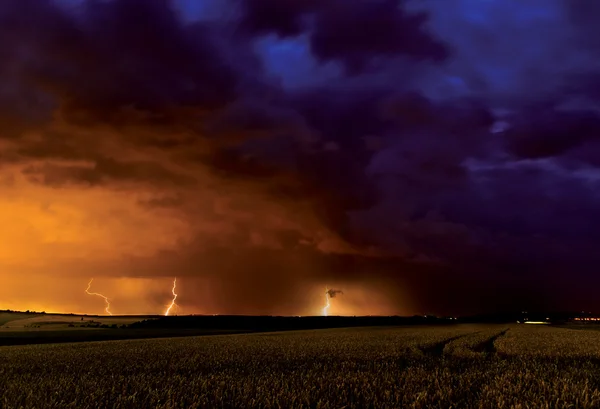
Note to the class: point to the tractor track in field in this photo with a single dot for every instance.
(437, 349)
(488, 346)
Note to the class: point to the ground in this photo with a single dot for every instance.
(6, 317)
(37, 328)
(48, 322)
(460, 366)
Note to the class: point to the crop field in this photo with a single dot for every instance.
(19, 321)
(462, 366)
(8, 317)
(47, 322)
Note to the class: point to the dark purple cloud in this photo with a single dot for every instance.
(388, 174)
(546, 132)
(137, 53)
(282, 18)
(354, 33)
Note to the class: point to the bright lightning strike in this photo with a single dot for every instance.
(87, 291)
(327, 302)
(174, 297)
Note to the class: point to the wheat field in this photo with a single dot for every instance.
(463, 366)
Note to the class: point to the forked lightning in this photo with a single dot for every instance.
(174, 297)
(327, 302)
(87, 291)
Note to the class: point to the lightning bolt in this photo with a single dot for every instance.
(87, 291)
(327, 302)
(174, 297)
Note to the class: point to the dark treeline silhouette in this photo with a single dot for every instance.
(23, 312)
(276, 323)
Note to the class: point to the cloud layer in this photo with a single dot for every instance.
(420, 156)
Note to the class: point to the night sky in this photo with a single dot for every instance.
(426, 156)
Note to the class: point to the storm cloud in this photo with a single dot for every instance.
(433, 156)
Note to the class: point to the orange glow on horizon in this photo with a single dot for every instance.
(59, 293)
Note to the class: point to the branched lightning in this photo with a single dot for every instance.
(174, 297)
(327, 302)
(87, 291)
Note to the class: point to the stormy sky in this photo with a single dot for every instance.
(422, 156)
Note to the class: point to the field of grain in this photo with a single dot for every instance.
(6, 317)
(436, 367)
(47, 322)
(14, 321)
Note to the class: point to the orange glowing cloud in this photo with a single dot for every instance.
(66, 219)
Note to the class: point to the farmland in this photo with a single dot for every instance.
(465, 366)
(39, 328)
(47, 322)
